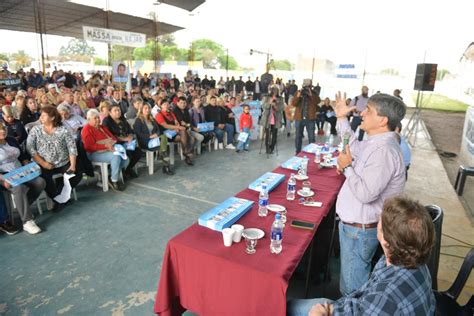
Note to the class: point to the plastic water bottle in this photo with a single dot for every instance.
(304, 166)
(291, 189)
(263, 202)
(345, 141)
(277, 235)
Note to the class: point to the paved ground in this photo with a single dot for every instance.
(102, 255)
(448, 139)
(428, 182)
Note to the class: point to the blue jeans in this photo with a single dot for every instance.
(242, 145)
(229, 128)
(302, 307)
(300, 125)
(116, 163)
(357, 249)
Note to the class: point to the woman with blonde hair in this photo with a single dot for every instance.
(104, 110)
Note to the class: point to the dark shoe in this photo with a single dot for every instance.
(114, 185)
(8, 229)
(121, 186)
(188, 161)
(287, 134)
(57, 207)
(167, 170)
(131, 173)
(238, 151)
(246, 149)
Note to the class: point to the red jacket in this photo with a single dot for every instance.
(245, 121)
(91, 135)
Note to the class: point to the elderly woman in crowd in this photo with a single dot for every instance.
(14, 127)
(99, 144)
(30, 112)
(167, 120)
(119, 127)
(73, 122)
(146, 129)
(11, 158)
(52, 147)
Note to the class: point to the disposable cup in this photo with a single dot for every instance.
(227, 234)
(237, 232)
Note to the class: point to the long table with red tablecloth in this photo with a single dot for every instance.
(201, 275)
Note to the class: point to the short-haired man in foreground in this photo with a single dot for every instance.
(400, 283)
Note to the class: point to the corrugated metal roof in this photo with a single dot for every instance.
(60, 17)
(189, 5)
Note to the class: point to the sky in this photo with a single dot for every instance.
(379, 34)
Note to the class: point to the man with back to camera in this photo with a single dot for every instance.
(400, 283)
(374, 171)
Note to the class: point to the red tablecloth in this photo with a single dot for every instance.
(200, 274)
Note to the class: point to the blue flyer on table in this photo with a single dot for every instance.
(293, 163)
(22, 174)
(225, 214)
(270, 179)
(311, 148)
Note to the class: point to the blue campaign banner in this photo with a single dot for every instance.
(293, 163)
(346, 76)
(225, 214)
(23, 174)
(270, 179)
(346, 66)
(206, 127)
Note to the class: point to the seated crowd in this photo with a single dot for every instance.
(64, 123)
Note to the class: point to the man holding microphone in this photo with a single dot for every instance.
(374, 171)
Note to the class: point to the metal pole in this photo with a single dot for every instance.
(268, 60)
(227, 63)
(40, 27)
(109, 46)
(312, 68)
(155, 23)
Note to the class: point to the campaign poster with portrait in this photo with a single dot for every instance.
(120, 73)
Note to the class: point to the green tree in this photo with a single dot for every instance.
(233, 65)
(77, 47)
(4, 57)
(165, 52)
(441, 74)
(389, 72)
(167, 40)
(100, 61)
(120, 53)
(281, 65)
(212, 54)
(21, 59)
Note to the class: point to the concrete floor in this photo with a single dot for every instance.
(102, 255)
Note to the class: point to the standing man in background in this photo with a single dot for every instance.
(360, 103)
